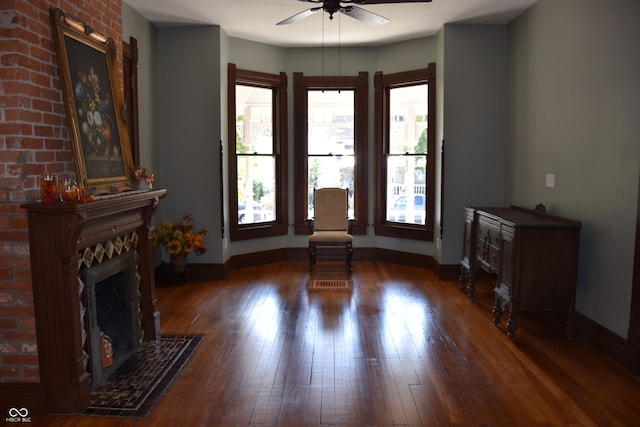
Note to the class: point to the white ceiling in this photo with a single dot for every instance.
(256, 19)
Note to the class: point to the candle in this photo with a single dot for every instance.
(48, 188)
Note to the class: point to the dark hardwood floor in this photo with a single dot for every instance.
(400, 349)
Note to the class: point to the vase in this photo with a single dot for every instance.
(178, 262)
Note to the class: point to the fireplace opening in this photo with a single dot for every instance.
(112, 313)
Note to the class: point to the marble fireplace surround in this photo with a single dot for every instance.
(64, 241)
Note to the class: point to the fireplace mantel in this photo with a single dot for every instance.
(59, 234)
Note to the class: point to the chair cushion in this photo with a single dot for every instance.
(330, 236)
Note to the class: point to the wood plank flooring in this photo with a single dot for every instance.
(399, 349)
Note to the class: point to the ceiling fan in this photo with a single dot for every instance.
(348, 8)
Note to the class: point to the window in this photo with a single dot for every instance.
(405, 144)
(330, 125)
(257, 161)
(330, 149)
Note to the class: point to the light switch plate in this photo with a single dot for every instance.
(551, 180)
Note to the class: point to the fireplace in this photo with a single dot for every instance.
(113, 314)
(92, 272)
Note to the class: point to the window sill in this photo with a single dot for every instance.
(414, 232)
(257, 231)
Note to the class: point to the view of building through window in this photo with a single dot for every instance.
(407, 154)
(331, 142)
(255, 154)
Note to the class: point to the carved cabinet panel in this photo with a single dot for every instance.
(488, 243)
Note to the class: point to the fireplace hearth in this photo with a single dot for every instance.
(92, 270)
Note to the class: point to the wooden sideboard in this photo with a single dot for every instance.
(533, 255)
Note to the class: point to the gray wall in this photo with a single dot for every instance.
(189, 129)
(575, 107)
(474, 125)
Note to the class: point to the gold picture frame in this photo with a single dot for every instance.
(94, 104)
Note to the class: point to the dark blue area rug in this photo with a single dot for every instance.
(133, 389)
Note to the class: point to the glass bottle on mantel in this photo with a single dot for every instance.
(70, 191)
(48, 188)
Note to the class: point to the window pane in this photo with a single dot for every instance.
(330, 171)
(254, 120)
(330, 142)
(256, 189)
(408, 114)
(406, 162)
(330, 122)
(406, 184)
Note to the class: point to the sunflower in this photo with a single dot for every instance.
(174, 247)
(179, 238)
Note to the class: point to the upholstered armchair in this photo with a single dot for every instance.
(330, 226)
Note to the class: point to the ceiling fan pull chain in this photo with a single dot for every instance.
(339, 47)
(323, 50)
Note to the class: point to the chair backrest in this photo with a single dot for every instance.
(331, 209)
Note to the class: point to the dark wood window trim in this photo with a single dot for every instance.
(360, 85)
(382, 85)
(130, 70)
(278, 83)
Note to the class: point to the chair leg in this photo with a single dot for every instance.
(311, 251)
(349, 256)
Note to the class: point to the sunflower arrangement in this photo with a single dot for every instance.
(180, 238)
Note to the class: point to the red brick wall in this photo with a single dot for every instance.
(33, 140)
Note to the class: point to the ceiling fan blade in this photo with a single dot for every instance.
(299, 16)
(363, 15)
(384, 1)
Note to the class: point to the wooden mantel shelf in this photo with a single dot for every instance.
(58, 233)
(105, 205)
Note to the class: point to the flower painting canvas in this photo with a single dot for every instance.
(95, 107)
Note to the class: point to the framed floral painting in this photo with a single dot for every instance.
(95, 107)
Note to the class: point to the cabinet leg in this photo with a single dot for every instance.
(463, 278)
(471, 288)
(497, 313)
(497, 309)
(571, 315)
(512, 325)
(466, 282)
